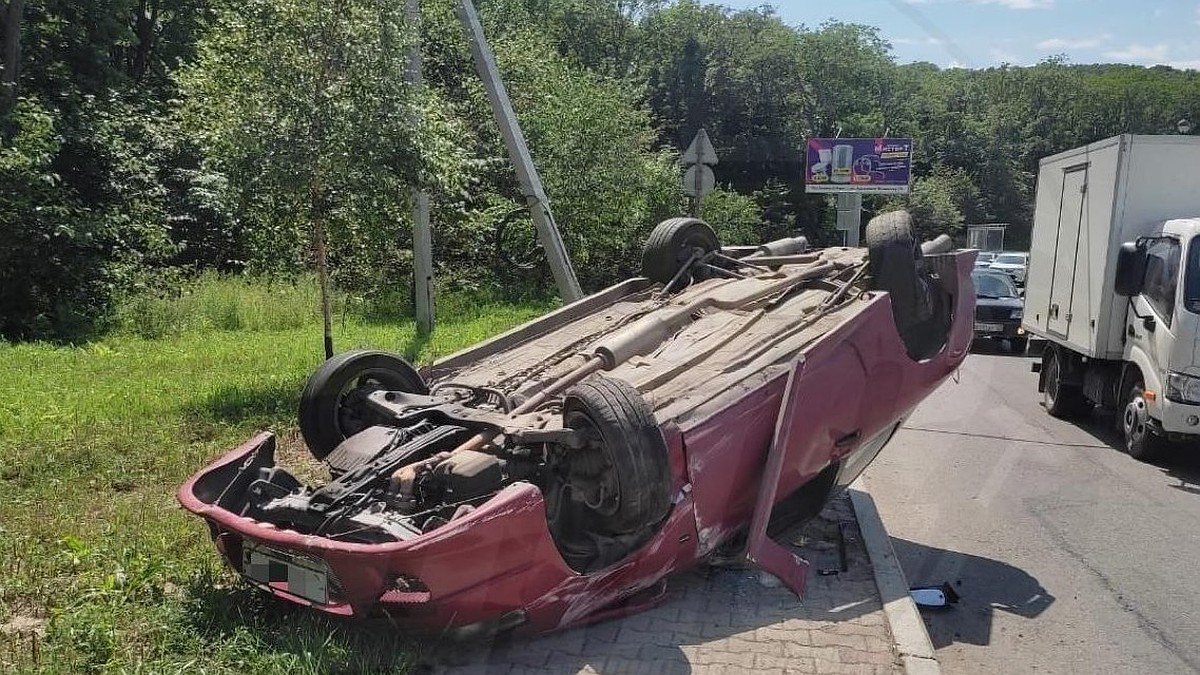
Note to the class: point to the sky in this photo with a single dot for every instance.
(981, 33)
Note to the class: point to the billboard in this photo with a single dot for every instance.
(862, 165)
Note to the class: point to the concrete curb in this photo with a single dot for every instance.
(908, 629)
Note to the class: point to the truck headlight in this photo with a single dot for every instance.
(1183, 388)
(1018, 314)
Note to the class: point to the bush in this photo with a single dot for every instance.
(81, 219)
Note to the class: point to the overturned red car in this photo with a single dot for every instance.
(559, 473)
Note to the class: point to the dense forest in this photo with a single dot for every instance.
(143, 141)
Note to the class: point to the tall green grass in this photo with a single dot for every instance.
(213, 302)
(100, 571)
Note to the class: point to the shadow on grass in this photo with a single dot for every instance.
(238, 618)
(261, 405)
(269, 401)
(411, 350)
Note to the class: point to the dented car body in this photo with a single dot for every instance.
(559, 473)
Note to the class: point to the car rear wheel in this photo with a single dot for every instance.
(672, 244)
(897, 267)
(333, 406)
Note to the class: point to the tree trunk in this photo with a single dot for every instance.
(145, 27)
(10, 53)
(321, 252)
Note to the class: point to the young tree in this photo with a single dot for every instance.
(302, 105)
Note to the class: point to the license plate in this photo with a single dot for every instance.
(989, 328)
(295, 574)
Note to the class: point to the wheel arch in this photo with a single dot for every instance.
(1138, 363)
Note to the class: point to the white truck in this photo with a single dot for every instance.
(1114, 286)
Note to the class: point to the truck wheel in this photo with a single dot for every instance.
(1140, 440)
(1062, 400)
(333, 404)
(672, 244)
(1019, 345)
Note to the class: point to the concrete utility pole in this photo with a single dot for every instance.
(422, 237)
(849, 215)
(510, 129)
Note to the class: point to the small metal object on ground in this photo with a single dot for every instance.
(843, 562)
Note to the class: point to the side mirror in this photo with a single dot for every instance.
(1131, 270)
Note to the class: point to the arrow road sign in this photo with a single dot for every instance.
(701, 151)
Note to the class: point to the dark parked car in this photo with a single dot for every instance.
(999, 309)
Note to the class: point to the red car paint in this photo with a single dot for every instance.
(498, 566)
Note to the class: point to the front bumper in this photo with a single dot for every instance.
(1178, 419)
(497, 563)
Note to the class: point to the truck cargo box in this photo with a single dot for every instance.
(1089, 201)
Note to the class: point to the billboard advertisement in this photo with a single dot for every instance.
(862, 165)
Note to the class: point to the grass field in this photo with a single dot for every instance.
(100, 570)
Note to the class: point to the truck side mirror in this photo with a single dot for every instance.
(1131, 269)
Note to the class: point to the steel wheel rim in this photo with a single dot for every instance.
(349, 417)
(1134, 421)
(604, 497)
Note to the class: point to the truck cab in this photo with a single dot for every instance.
(1160, 276)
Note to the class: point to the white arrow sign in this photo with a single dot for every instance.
(701, 151)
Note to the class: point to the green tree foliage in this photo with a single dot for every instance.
(941, 202)
(591, 138)
(139, 136)
(91, 164)
(302, 107)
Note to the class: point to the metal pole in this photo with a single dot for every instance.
(849, 216)
(510, 129)
(422, 237)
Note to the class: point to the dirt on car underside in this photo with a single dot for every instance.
(711, 361)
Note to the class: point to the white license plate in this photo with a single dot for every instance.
(285, 571)
(989, 328)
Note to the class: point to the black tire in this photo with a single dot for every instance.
(897, 266)
(1141, 441)
(626, 453)
(895, 258)
(672, 244)
(332, 407)
(1019, 345)
(1062, 400)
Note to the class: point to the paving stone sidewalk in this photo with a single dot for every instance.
(719, 621)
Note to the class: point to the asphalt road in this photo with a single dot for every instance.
(1069, 556)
